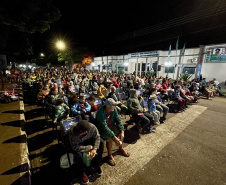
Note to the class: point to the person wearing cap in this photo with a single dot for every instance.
(152, 109)
(111, 128)
(160, 106)
(84, 138)
(138, 113)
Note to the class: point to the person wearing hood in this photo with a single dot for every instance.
(85, 139)
(102, 92)
(115, 84)
(138, 113)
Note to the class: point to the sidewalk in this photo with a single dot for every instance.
(14, 167)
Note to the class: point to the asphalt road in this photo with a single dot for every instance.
(196, 156)
(189, 149)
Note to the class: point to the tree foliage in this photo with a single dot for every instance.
(28, 16)
(20, 19)
(78, 55)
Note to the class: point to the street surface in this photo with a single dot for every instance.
(189, 149)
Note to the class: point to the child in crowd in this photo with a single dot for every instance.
(61, 110)
(152, 109)
(81, 108)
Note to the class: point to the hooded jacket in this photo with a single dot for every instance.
(115, 84)
(102, 92)
(133, 103)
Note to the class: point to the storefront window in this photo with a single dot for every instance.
(189, 70)
(169, 69)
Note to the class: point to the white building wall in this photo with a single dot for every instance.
(213, 70)
(208, 71)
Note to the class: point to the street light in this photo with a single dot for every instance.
(60, 45)
(42, 54)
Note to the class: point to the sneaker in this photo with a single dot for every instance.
(157, 123)
(98, 170)
(150, 130)
(85, 179)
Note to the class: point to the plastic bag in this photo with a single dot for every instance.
(64, 163)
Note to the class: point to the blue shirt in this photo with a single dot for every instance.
(151, 106)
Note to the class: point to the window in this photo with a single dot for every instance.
(189, 70)
(170, 69)
(154, 66)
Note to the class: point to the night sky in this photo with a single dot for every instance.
(119, 28)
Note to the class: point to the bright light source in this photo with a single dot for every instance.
(126, 64)
(42, 54)
(20, 65)
(60, 45)
(29, 66)
(24, 66)
(93, 64)
(168, 63)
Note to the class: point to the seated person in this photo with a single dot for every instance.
(43, 92)
(152, 109)
(72, 99)
(208, 91)
(51, 101)
(115, 84)
(160, 106)
(120, 107)
(91, 101)
(102, 92)
(138, 113)
(165, 90)
(178, 98)
(81, 108)
(61, 110)
(217, 90)
(109, 89)
(158, 86)
(82, 88)
(95, 86)
(71, 87)
(186, 94)
(85, 139)
(111, 128)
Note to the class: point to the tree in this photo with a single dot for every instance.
(81, 56)
(71, 56)
(20, 19)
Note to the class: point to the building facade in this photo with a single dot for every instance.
(209, 60)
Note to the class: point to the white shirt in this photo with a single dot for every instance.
(216, 82)
(7, 72)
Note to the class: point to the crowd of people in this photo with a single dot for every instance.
(102, 99)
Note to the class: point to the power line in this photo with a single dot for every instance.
(174, 22)
(131, 46)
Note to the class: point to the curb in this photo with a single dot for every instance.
(24, 153)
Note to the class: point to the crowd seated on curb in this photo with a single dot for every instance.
(103, 99)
